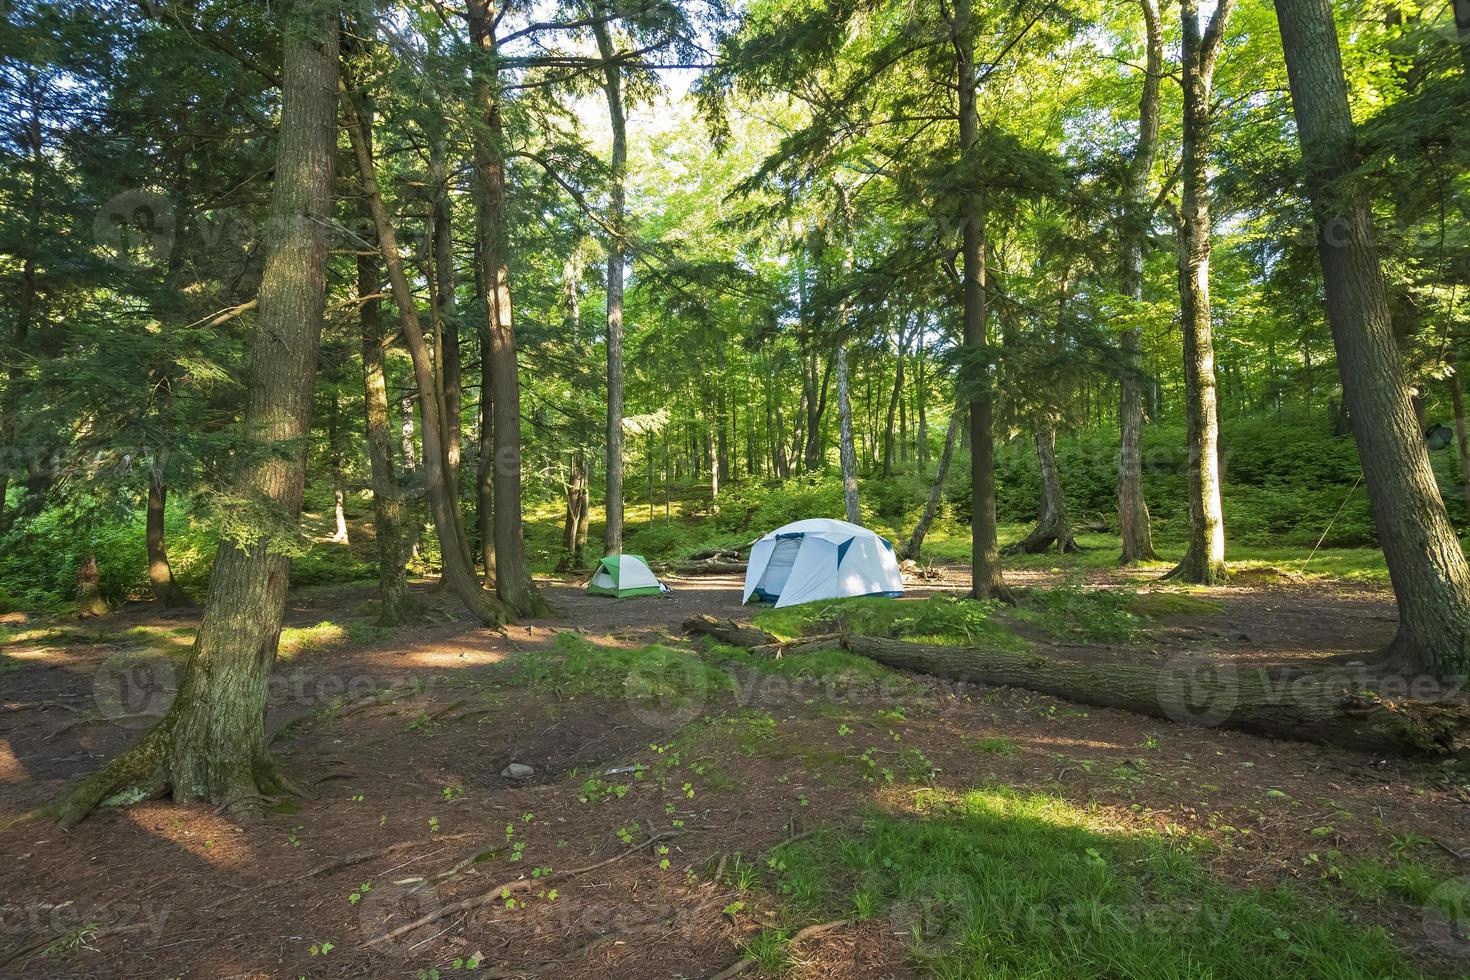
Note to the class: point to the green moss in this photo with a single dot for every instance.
(1157, 605)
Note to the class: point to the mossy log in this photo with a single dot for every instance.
(710, 566)
(1335, 706)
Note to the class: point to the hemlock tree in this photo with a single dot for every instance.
(211, 743)
(1204, 560)
(612, 87)
(1133, 518)
(1430, 576)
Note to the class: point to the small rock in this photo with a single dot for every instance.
(517, 770)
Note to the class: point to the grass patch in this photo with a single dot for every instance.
(933, 619)
(1411, 882)
(837, 666)
(296, 640)
(1159, 604)
(575, 666)
(995, 745)
(994, 883)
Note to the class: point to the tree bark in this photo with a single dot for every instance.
(166, 592)
(458, 567)
(90, 603)
(1462, 431)
(1204, 559)
(211, 743)
(1430, 577)
(986, 579)
(612, 87)
(1133, 517)
(915, 544)
(388, 508)
(1052, 522)
(512, 576)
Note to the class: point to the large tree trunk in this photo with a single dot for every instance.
(986, 580)
(1337, 707)
(512, 576)
(846, 452)
(211, 743)
(612, 87)
(1462, 431)
(1133, 517)
(166, 592)
(894, 402)
(1052, 522)
(446, 321)
(1204, 559)
(458, 566)
(388, 510)
(1430, 577)
(936, 490)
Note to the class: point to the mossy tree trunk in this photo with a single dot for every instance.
(1204, 558)
(211, 743)
(388, 506)
(1430, 576)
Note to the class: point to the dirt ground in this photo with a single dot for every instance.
(401, 742)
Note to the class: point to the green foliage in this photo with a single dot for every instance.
(997, 883)
(933, 619)
(1094, 615)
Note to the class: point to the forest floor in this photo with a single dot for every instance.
(685, 811)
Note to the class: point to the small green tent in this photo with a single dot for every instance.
(621, 576)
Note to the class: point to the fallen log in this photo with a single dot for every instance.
(729, 631)
(758, 640)
(710, 566)
(1336, 706)
(1330, 706)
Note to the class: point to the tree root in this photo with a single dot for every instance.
(740, 966)
(507, 888)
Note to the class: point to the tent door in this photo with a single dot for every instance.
(778, 567)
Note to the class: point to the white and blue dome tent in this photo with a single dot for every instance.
(821, 559)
